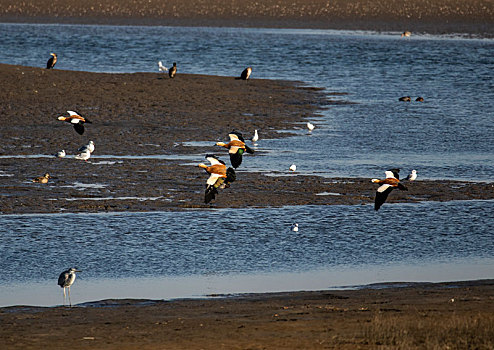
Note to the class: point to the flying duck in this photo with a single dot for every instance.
(412, 176)
(173, 70)
(42, 179)
(236, 147)
(220, 177)
(89, 147)
(405, 99)
(51, 62)
(391, 181)
(76, 120)
(245, 74)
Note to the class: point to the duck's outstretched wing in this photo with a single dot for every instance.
(381, 195)
(79, 128)
(236, 158)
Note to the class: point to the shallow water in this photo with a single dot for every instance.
(193, 253)
(227, 244)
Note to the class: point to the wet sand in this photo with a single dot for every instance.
(150, 115)
(431, 16)
(418, 316)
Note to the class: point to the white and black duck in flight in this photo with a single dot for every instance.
(220, 177)
(391, 182)
(76, 120)
(236, 148)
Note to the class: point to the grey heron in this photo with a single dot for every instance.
(65, 280)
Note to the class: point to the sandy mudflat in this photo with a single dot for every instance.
(432, 16)
(456, 315)
(148, 114)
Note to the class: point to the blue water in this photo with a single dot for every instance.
(449, 136)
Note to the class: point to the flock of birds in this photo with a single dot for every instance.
(220, 176)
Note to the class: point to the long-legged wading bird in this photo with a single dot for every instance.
(65, 280)
(391, 181)
(236, 147)
(220, 177)
(76, 120)
(51, 62)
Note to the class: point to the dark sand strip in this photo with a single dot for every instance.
(150, 114)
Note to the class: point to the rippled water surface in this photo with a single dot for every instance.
(449, 136)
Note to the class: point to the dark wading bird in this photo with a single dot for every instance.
(173, 70)
(391, 181)
(76, 120)
(65, 280)
(236, 147)
(220, 177)
(51, 62)
(245, 75)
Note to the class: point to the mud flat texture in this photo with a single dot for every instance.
(141, 124)
(456, 315)
(431, 16)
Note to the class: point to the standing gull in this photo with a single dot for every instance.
(65, 280)
(61, 154)
(391, 181)
(412, 176)
(89, 147)
(255, 137)
(161, 67)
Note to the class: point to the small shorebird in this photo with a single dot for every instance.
(42, 179)
(220, 177)
(173, 70)
(294, 227)
(391, 181)
(310, 126)
(293, 167)
(89, 147)
(419, 99)
(65, 280)
(405, 99)
(406, 33)
(412, 176)
(51, 62)
(83, 155)
(245, 75)
(61, 154)
(236, 147)
(161, 67)
(255, 137)
(76, 120)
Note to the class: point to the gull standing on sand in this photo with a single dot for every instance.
(293, 167)
(161, 67)
(51, 62)
(310, 126)
(412, 176)
(89, 147)
(391, 181)
(65, 280)
(83, 155)
(255, 137)
(76, 120)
